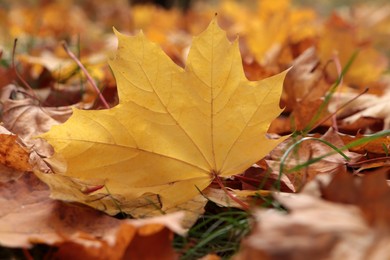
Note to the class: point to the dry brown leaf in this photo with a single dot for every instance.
(305, 88)
(314, 229)
(376, 146)
(350, 222)
(7, 174)
(366, 106)
(27, 119)
(308, 150)
(256, 177)
(28, 217)
(304, 82)
(13, 153)
(370, 193)
(7, 76)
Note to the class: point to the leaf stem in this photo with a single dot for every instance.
(373, 160)
(235, 199)
(338, 110)
(89, 78)
(29, 88)
(336, 61)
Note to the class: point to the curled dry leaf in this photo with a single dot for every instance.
(305, 88)
(27, 119)
(350, 221)
(29, 217)
(174, 129)
(301, 81)
(366, 106)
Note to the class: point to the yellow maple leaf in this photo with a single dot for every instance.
(174, 129)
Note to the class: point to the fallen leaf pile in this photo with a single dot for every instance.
(353, 224)
(29, 216)
(183, 113)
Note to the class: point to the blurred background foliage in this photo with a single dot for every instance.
(322, 6)
(273, 33)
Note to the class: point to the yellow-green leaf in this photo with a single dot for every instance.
(174, 129)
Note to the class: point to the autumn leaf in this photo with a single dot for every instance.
(367, 106)
(262, 176)
(13, 153)
(27, 119)
(315, 229)
(310, 149)
(193, 131)
(174, 129)
(29, 217)
(350, 211)
(305, 89)
(379, 146)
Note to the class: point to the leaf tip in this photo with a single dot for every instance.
(115, 30)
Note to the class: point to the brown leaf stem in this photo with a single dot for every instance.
(337, 63)
(26, 85)
(27, 254)
(235, 199)
(373, 160)
(338, 109)
(89, 78)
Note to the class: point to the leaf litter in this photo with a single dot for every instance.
(341, 185)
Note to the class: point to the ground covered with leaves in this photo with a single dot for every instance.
(213, 130)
